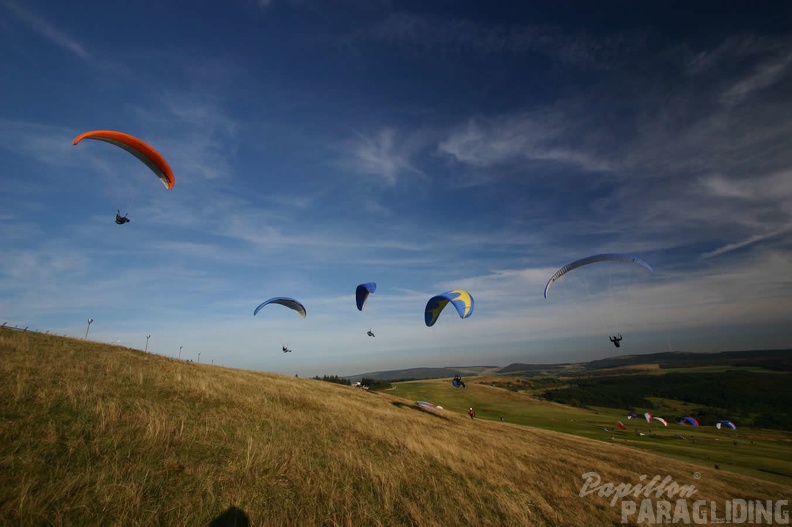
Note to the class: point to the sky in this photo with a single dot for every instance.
(425, 146)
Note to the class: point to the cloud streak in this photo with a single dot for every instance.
(452, 36)
(537, 136)
(764, 75)
(48, 31)
(745, 243)
(383, 154)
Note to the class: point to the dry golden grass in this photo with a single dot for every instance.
(93, 434)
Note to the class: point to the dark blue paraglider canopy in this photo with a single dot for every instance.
(284, 301)
(362, 293)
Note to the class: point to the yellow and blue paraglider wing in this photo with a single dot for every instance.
(284, 301)
(461, 300)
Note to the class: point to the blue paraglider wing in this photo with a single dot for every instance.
(609, 257)
(284, 301)
(362, 293)
(461, 300)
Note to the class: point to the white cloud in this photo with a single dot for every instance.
(544, 135)
(721, 187)
(47, 30)
(46, 143)
(745, 243)
(384, 154)
(197, 135)
(764, 75)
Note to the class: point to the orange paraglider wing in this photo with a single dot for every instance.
(140, 149)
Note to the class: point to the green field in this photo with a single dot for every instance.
(765, 454)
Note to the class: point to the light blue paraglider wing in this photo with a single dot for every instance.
(284, 301)
(461, 300)
(609, 257)
(362, 293)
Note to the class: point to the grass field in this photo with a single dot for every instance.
(93, 434)
(765, 454)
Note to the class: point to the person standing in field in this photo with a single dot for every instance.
(471, 413)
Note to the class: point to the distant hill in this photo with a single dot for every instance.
(777, 360)
(421, 373)
(536, 370)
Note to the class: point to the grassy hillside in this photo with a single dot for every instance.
(92, 434)
(761, 453)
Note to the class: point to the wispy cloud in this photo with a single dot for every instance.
(46, 143)
(458, 37)
(543, 135)
(745, 243)
(198, 135)
(742, 67)
(384, 154)
(48, 31)
(719, 186)
(763, 75)
(735, 48)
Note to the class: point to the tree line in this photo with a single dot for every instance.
(756, 399)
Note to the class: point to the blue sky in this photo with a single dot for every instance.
(425, 146)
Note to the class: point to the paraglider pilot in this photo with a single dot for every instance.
(616, 340)
(121, 219)
(471, 413)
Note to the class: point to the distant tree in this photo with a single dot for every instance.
(375, 384)
(759, 399)
(334, 379)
